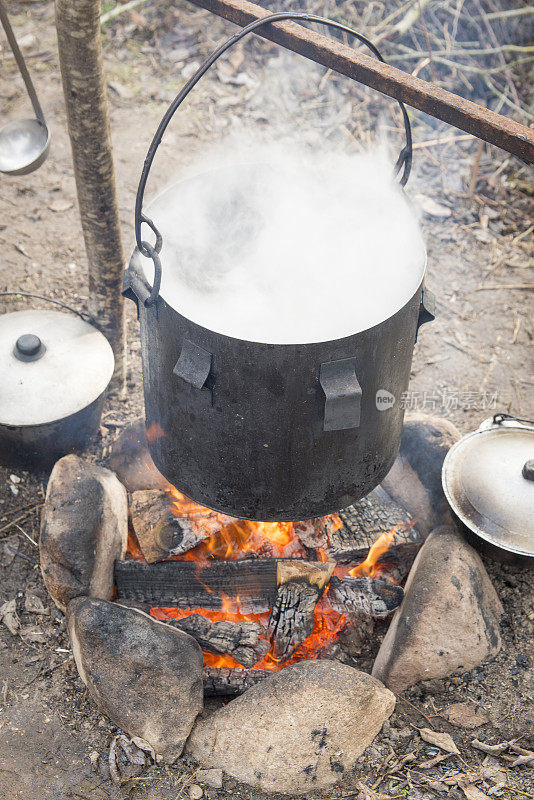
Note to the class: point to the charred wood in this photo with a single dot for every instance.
(292, 617)
(365, 521)
(224, 682)
(346, 537)
(193, 584)
(376, 598)
(160, 532)
(241, 640)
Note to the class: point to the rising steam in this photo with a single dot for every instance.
(279, 244)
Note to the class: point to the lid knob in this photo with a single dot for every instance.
(28, 347)
(528, 469)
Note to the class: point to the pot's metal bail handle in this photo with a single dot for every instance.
(402, 166)
(194, 364)
(343, 394)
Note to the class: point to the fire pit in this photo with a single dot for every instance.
(259, 596)
(274, 615)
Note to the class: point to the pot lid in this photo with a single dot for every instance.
(488, 479)
(52, 365)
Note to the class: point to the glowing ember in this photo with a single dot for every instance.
(327, 626)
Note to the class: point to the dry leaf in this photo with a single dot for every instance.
(492, 749)
(441, 740)
(125, 760)
(34, 604)
(492, 770)
(8, 551)
(8, 615)
(429, 206)
(472, 793)
(58, 206)
(465, 715)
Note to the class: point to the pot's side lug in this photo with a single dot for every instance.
(194, 364)
(343, 395)
(427, 309)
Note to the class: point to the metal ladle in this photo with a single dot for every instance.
(24, 144)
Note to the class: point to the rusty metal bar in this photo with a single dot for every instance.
(453, 109)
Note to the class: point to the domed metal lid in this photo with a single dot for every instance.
(52, 365)
(488, 479)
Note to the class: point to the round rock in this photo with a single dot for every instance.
(299, 730)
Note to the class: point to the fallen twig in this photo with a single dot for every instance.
(119, 9)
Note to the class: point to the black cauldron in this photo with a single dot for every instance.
(270, 431)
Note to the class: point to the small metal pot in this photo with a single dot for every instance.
(55, 370)
(488, 480)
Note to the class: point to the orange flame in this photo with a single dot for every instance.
(328, 623)
(230, 538)
(370, 565)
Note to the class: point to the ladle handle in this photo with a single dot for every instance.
(19, 58)
(404, 160)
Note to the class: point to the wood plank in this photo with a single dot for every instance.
(332, 53)
(212, 584)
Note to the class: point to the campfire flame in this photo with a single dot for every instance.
(376, 551)
(231, 538)
(328, 624)
(228, 538)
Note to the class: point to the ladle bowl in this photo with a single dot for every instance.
(24, 145)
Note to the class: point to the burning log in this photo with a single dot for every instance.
(160, 532)
(300, 585)
(196, 584)
(348, 536)
(210, 584)
(225, 682)
(292, 616)
(364, 522)
(241, 640)
(376, 598)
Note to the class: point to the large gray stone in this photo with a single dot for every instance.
(298, 730)
(414, 480)
(145, 675)
(449, 619)
(84, 529)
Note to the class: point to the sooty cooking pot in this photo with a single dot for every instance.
(269, 431)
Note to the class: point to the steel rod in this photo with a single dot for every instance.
(470, 117)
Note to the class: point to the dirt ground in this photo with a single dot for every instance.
(474, 359)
